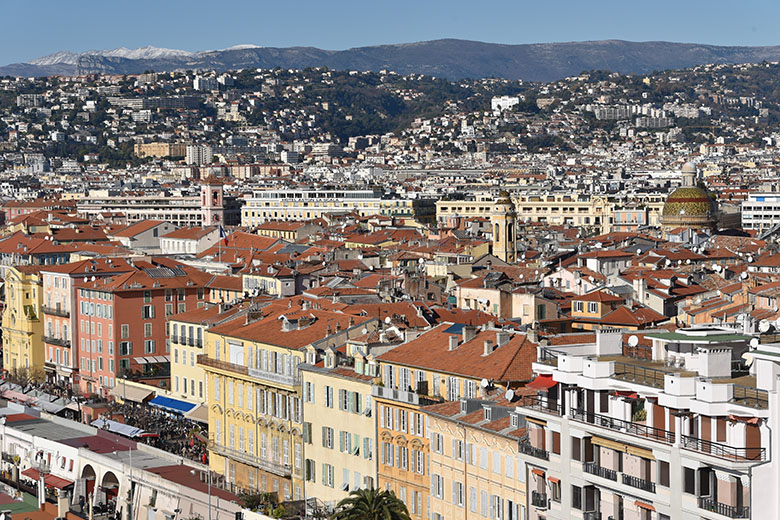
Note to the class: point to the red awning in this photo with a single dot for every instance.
(538, 472)
(542, 382)
(644, 505)
(51, 480)
(748, 420)
(554, 480)
(626, 393)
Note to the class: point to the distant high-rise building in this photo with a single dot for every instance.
(198, 154)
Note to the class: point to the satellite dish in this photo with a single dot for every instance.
(364, 330)
(86, 279)
(744, 275)
(688, 261)
(509, 395)
(421, 261)
(484, 383)
(668, 262)
(360, 257)
(638, 251)
(93, 278)
(777, 323)
(387, 320)
(763, 326)
(633, 341)
(750, 258)
(718, 268)
(754, 342)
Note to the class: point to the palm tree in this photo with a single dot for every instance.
(371, 504)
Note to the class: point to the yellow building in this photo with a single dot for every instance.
(476, 467)
(186, 332)
(555, 209)
(339, 428)
(254, 395)
(22, 325)
(160, 149)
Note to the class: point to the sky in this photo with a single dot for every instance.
(34, 28)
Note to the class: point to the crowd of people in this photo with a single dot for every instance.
(173, 433)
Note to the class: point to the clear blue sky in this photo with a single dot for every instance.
(33, 28)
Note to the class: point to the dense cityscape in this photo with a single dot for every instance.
(263, 293)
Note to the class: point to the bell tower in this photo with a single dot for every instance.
(503, 219)
(211, 202)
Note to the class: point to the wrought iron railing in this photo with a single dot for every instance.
(750, 396)
(601, 471)
(542, 404)
(539, 453)
(62, 342)
(56, 311)
(639, 374)
(631, 428)
(639, 483)
(712, 505)
(538, 499)
(723, 451)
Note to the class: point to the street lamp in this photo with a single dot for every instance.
(192, 471)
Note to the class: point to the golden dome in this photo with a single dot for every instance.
(503, 197)
(689, 206)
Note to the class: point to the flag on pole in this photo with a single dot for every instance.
(223, 234)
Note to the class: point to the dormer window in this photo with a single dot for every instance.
(515, 421)
(488, 414)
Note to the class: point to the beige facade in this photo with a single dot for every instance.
(159, 149)
(557, 209)
(339, 432)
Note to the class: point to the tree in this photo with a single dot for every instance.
(371, 504)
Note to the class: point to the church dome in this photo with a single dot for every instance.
(689, 206)
(503, 197)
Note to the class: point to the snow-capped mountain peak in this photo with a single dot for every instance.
(141, 53)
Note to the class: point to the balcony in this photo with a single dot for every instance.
(627, 427)
(281, 470)
(525, 447)
(723, 451)
(712, 505)
(591, 515)
(55, 311)
(541, 404)
(56, 341)
(539, 499)
(639, 483)
(600, 471)
(206, 361)
(403, 396)
(273, 377)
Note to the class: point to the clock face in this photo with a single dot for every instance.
(216, 218)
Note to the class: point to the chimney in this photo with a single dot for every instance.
(453, 342)
(488, 347)
(469, 332)
(502, 337)
(532, 335)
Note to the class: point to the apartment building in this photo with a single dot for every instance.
(59, 312)
(477, 469)
(548, 208)
(186, 335)
(255, 416)
(674, 425)
(302, 204)
(761, 211)
(339, 427)
(121, 327)
(159, 149)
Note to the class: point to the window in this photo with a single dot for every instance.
(473, 499)
(125, 348)
(437, 443)
(576, 497)
(593, 307)
(149, 346)
(457, 449)
(147, 330)
(663, 473)
(147, 312)
(556, 441)
(327, 437)
(125, 331)
(458, 494)
(437, 486)
(327, 475)
(576, 448)
(329, 396)
(496, 462)
(555, 490)
(578, 306)
(689, 481)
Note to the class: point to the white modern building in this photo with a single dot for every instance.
(761, 211)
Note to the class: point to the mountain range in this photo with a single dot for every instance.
(450, 58)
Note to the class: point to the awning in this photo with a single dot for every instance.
(538, 472)
(49, 479)
(644, 505)
(536, 421)
(748, 420)
(554, 480)
(172, 405)
(542, 382)
(200, 413)
(622, 447)
(130, 393)
(626, 393)
(117, 427)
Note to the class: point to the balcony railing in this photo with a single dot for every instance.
(710, 504)
(282, 470)
(539, 499)
(56, 311)
(62, 342)
(749, 396)
(542, 404)
(723, 451)
(206, 361)
(639, 483)
(273, 377)
(631, 428)
(548, 357)
(595, 469)
(539, 453)
(591, 515)
(639, 374)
